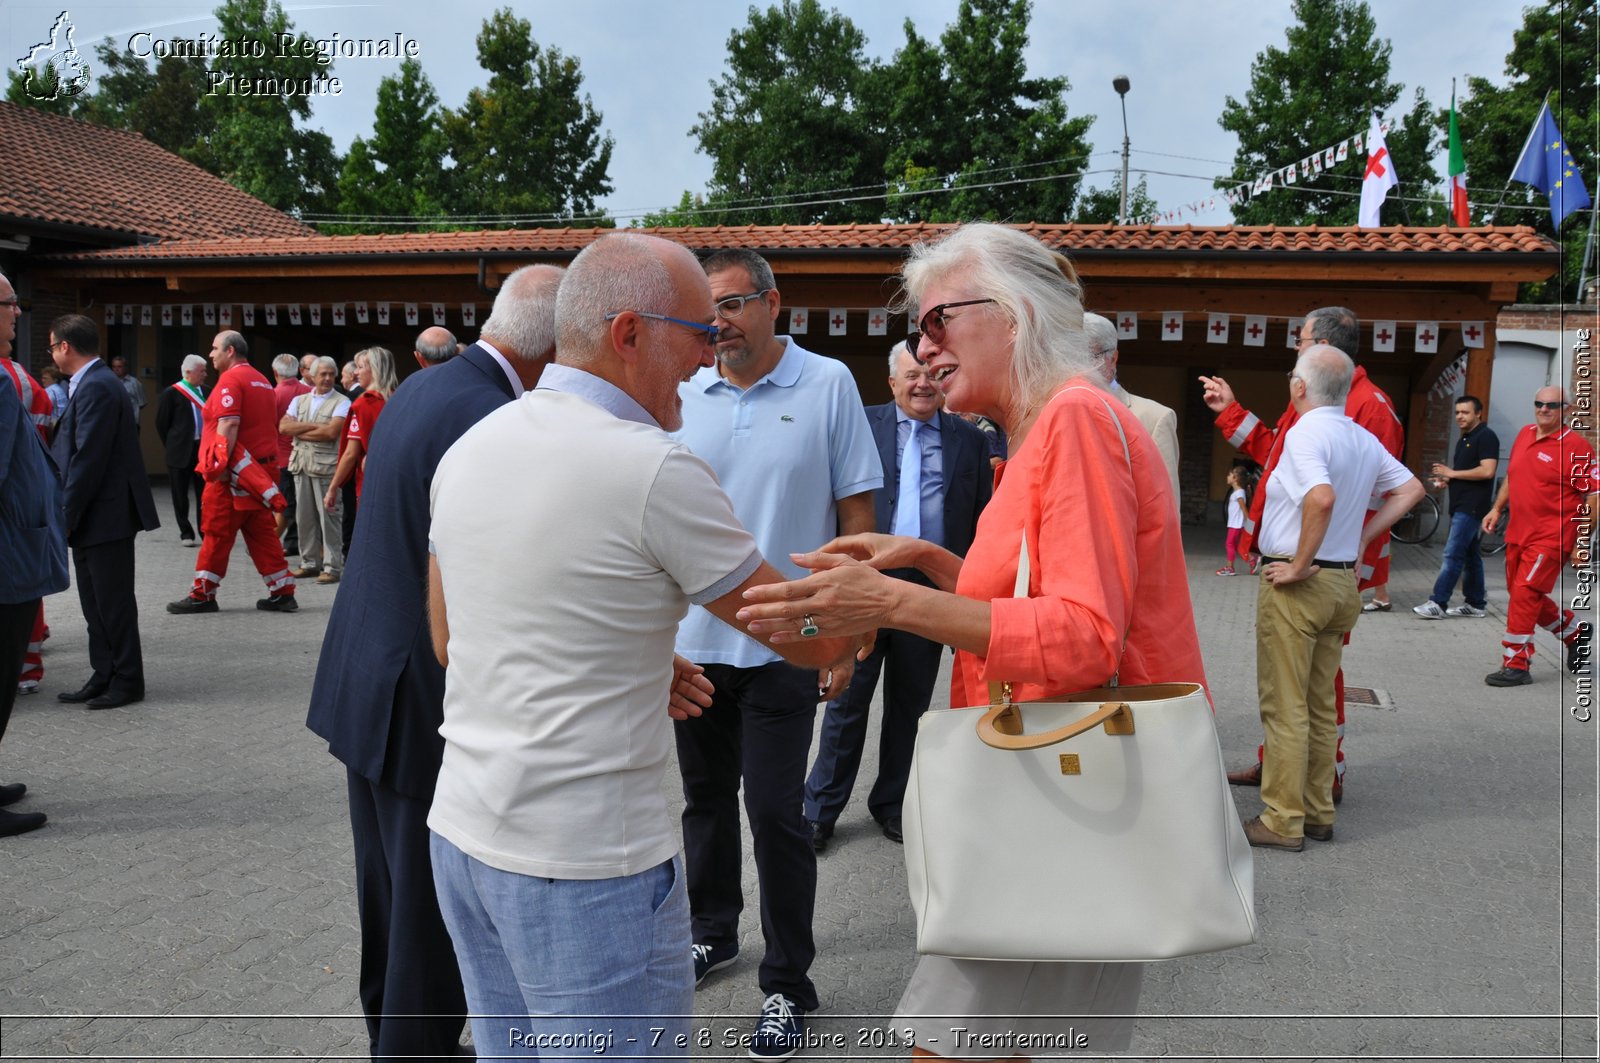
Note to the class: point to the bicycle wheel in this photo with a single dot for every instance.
(1492, 543)
(1418, 525)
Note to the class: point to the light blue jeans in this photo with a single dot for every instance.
(1462, 561)
(570, 968)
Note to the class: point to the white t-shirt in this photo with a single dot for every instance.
(1326, 447)
(1236, 508)
(570, 542)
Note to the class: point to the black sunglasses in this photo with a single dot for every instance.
(932, 324)
(1547, 405)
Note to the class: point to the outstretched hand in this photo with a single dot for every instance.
(841, 597)
(1216, 393)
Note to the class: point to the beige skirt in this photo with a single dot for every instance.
(988, 1009)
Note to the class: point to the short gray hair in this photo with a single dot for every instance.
(324, 362)
(619, 271)
(894, 356)
(1035, 290)
(436, 352)
(229, 338)
(1337, 327)
(758, 268)
(1327, 372)
(286, 365)
(193, 361)
(522, 321)
(1102, 337)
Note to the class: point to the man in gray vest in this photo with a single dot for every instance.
(315, 421)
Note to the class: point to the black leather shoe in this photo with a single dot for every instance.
(87, 692)
(114, 699)
(891, 830)
(1508, 677)
(820, 833)
(191, 604)
(11, 793)
(19, 822)
(278, 603)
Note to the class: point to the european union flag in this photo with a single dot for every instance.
(1547, 165)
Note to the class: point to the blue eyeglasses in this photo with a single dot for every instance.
(709, 331)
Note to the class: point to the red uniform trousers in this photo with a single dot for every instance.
(33, 657)
(1531, 573)
(220, 523)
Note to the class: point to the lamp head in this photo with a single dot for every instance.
(1121, 84)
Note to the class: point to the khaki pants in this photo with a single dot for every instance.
(1300, 630)
(318, 528)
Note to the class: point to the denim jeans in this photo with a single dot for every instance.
(570, 968)
(1461, 556)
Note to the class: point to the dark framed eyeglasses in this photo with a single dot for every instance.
(731, 307)
(1548, 405)
(933, 322)
(709, 332)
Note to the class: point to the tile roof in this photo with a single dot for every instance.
(74, 173)
(1075, 239)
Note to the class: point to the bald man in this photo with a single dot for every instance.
(435, 346)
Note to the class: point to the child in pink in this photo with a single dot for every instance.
(1238, 506)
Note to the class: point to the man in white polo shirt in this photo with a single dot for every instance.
(553, 853)
(1311, 537)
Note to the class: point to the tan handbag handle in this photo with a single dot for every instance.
(1117, 716)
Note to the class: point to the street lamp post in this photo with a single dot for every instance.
(1121, 84)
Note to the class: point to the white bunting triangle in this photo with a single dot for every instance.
(1427, 337)
(1216, 328)
(1292, 340)
(799, 318)
(1127, 326)
(127, 313)
(272, 313)
(838, 318)
(144, 314)
(383, 313)
(411, 313)
(316, 314)
(469, 314)
(361, 313)
(1383, 336)
(878, 321)
(1255, 330)
(1472, 333)
(1172, 326)
(249, 311)
(438, 314)
(186, 313)
(225, 315)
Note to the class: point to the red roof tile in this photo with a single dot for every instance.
(74, 173)
(1076, 239)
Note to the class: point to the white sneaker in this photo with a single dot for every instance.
(1429, 610)
(1463, 610)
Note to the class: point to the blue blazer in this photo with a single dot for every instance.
(96, 451)
(378, 698)
(968, 478)
(31, 539)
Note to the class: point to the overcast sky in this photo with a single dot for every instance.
(647, 65)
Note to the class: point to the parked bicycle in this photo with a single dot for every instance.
(1418, 525)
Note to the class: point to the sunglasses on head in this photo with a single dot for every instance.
(932, 325)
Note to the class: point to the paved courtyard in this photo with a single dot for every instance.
(192, 896)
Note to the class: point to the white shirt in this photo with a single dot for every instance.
(1326, 447)
(564, 582)
(314, 402)
(1236, 508)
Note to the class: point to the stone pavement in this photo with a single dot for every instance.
(192, 894)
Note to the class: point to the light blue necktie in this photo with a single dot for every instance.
(908, 506)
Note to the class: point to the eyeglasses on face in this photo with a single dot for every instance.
(731, 307)
(708, 332)
(13, 301)
(1548, 405)
(933, 322)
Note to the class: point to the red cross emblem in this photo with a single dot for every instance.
(1219, 327)
(1174, 324)
(1126, 324)
(1472, 332)
(838, 322)
(1375, 166)
(1384, 337)
(1255, 330)
(877, 321)
(1425, 336)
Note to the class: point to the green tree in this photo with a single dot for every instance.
(399, 172)
(792, 119)
(1553, 52)
(967, 117)
(692, 209)
(530, 142)
(1099, 206)
(1320, 89)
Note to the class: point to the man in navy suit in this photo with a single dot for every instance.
(378, 698)
(107, 499)
(950, 474)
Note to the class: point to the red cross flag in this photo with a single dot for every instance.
(838, 318)
(1216, 328)
(210, 312)
(338, 314)
(127, 313)
(186, 313)
(1295, 325)
(224, 315)
(1255, 330)
(469, 314)
(166, 315)
(798, 319)
(316, 314)
(361, 313)
(877, 321)
(1383, 335)
(294, 313)
(249, 310)
(111, 313)
(438, 314)
(1172, 326)
(1127, 325)
(383, 313)
(411, 313)
(1427, 337)
(1472, 333)
(1380, 177)
(272, 313)
(144, 315)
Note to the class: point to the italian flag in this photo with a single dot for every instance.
(1457, 189)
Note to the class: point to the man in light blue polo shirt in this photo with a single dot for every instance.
(786, 434)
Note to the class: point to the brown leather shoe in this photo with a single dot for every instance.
(1263, 837)
(1250, 776)
(328, 577)
(1322, 832)
(304, 573)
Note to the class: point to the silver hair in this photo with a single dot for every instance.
(894, 357)
(436, 353)
(619, 271)
(380, 362)
(229, 338)
(1035, 290)
(522, 321)
(1327, 372)
(324, 362)
(192, 362)
(1102, 337)
(286, 365)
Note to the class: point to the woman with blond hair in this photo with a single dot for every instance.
(376, 376)
(1107, 596)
